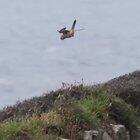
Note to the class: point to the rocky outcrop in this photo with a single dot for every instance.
(92, 135)
(119, 133)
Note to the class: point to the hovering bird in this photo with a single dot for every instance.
(68, 33)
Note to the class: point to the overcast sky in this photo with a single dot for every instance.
(34, 60)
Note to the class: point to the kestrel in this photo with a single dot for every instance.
(67, 33)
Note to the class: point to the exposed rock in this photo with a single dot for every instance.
(105, 136)
(120, 132)
(62, 138)
(91, 135)
(136, 134)
(96, 135)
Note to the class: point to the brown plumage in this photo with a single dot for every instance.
(67, 33)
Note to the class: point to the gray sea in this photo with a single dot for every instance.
(34, 60)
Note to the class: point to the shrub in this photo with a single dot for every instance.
(124, 113)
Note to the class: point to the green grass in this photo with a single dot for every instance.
(73, 117)
(15, 130)
(92, 108)
(96, 105)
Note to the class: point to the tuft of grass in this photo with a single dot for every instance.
(20, 130)
(96, 105)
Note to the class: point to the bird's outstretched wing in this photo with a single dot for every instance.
(62, 30)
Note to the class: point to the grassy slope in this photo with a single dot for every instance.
(69, 111)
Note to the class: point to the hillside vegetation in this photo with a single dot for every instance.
(71, 110)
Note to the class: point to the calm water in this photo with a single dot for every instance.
(34, 60)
